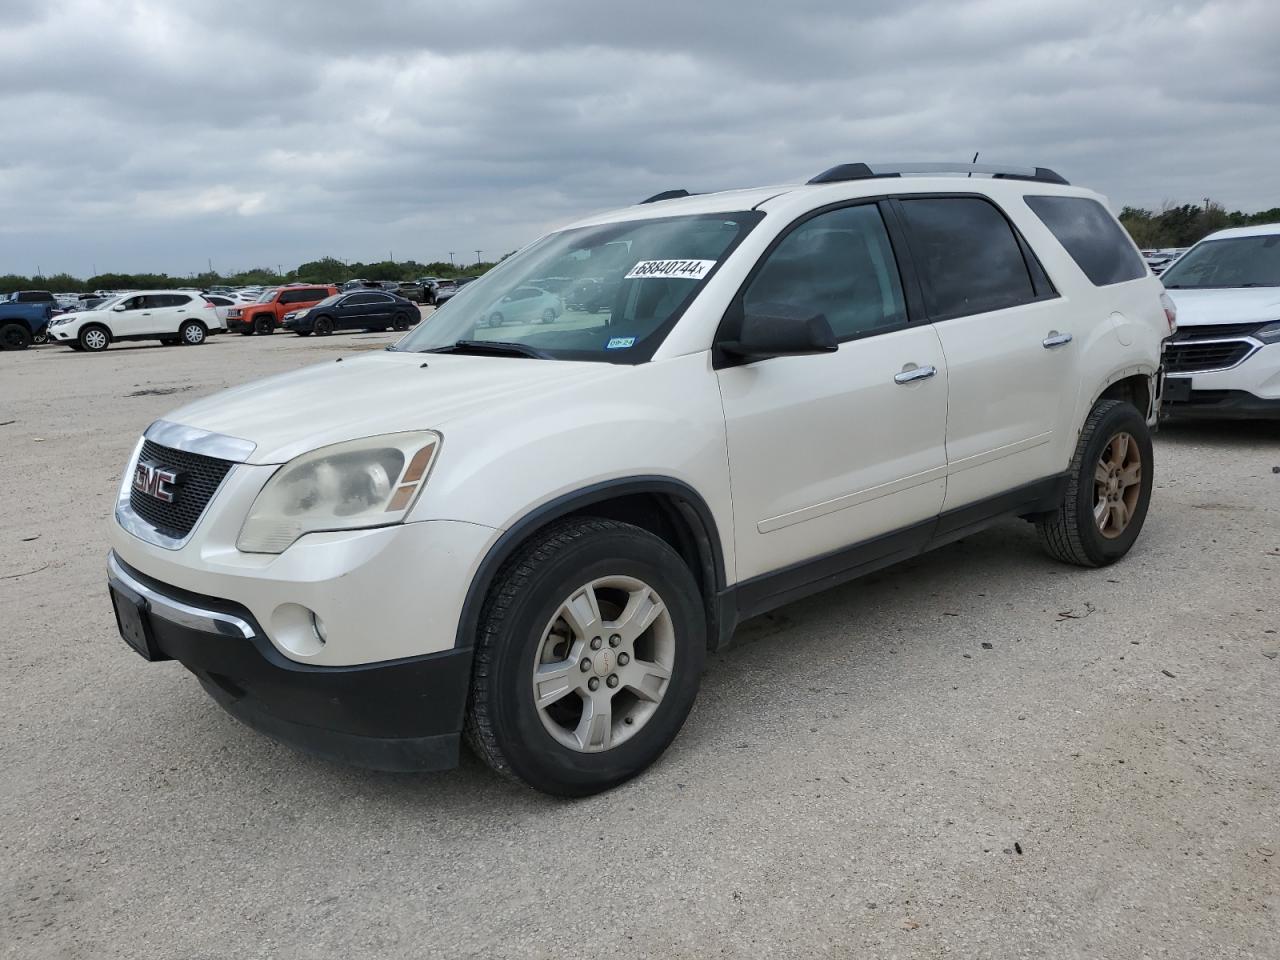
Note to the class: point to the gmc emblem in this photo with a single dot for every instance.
(155, 481)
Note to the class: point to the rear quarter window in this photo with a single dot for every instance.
(1093, 238)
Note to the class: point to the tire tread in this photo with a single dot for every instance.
(1059, 532)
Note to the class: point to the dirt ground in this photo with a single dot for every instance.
(981, 753)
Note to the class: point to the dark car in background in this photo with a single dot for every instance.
(353, 310)
(24, 318)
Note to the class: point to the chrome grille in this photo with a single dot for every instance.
(198, 479)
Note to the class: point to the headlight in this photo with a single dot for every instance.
(1268, 334)
(59, 321)
(348, 486)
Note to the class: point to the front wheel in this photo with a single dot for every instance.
(401, 322)
(265, 326)
(323, 326)
(95, 339)
(588, 658)
(1108, 489)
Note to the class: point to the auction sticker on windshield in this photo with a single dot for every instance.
(682, 269)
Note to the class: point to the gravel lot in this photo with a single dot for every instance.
(981, 753)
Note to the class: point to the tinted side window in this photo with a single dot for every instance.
(359, 299)
(292, 296)
(839, 264)
(1097, 244)
(967, 254)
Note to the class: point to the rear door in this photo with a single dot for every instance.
(1007, 336)
(841, 448)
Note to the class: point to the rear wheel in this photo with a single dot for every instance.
(95, 339)
(323, 326)
(588, 659)
(192, 333)
(1108, 489)
(14, 336)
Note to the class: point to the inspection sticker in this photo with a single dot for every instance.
(620, 343)
(682, 269)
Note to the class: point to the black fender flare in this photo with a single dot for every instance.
(693, 511)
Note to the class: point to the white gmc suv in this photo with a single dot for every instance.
(531, 534)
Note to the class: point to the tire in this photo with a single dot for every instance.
(42, 337)
(14, 336)
(264, 325)
(521, 623)
(548, 315)
(495, 319)
(400, 322)
(94, 338)
(192, 333)
(323, 326)
(1074, 533)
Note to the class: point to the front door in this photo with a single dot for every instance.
(837, 449)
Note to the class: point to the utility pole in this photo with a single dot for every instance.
(1206, 204)
(477, 258)
(451, 258)
(211, 264)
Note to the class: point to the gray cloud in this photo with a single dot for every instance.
(154, 135)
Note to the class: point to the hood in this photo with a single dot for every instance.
(376, 393)
(1234, 305)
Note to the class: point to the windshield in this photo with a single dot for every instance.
(609, 293)
(268, 295)
(1233, 262)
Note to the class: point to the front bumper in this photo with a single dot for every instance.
(399, 715)
(1221, 405)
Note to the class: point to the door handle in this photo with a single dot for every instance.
(914, 374)
(1056, 339)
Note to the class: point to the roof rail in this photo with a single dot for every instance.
(667, 195)
(872, 171)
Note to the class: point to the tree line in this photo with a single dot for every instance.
(324, 270)
(1172, 226)
(1181, 226)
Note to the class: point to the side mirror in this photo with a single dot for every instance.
(118, 308)
(778, 330)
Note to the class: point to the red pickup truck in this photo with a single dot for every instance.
(268, 312)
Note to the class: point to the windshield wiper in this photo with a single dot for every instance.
(501, 348)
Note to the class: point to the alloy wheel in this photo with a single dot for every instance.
(603, 664)
(1117, 484)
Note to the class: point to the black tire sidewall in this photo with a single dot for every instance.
(322, 327)
(1123, 418)
(88, 349)
(532, 753)
(21, 336)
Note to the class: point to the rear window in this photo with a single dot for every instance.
(969, 258)
(1097, 244)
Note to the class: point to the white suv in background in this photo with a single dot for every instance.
(530, 535)
(1224, 361)
(170, 316)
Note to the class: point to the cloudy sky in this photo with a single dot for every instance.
(161, 135)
